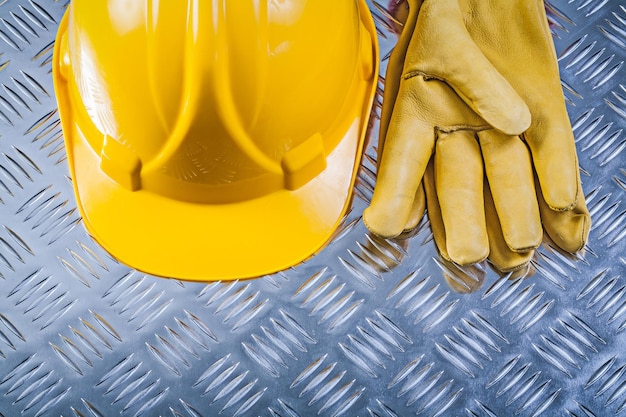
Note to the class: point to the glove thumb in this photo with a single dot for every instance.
(446, 51)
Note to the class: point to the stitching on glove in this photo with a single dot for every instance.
(564, 209)
(524, 250)
(456, 128)
(583, 238)
(417, 73)
(513, 268)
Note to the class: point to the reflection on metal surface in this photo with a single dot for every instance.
(368, 327)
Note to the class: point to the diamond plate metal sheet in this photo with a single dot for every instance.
(367, 328)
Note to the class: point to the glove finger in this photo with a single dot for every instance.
(501, 256)
(417, 210)
(509, 171)
(447, 51)
(434, 211)
(554, 156)
(464, 280)
(459, 186)
(407, 151)
(568, 229)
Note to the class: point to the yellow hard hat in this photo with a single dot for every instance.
(214, 140)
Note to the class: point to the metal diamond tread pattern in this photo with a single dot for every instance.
(368, 327)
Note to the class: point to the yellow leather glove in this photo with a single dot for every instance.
(467, 77)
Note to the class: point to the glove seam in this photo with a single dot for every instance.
(413, 74)
(567, 208)
(456, 128)
(418, 73)
(584, 231)
(582, 239)
(524, 250)
(377, 234)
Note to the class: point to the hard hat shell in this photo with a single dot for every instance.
(210, 139)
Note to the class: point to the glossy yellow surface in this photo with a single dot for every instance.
(210, 139)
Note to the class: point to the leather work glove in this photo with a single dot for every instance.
(474, 86)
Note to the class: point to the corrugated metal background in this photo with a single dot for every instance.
(366, 328)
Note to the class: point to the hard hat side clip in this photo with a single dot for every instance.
(304, 162)
(121, 164)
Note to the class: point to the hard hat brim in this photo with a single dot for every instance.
(203, 242)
